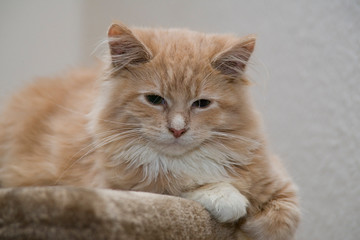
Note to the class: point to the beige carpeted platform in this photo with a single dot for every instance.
(68, 213)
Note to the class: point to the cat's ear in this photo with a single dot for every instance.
(233, 60)
(125, 48)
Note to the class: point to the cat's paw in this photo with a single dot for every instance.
(222, 200)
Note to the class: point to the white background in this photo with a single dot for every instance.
(306, 69)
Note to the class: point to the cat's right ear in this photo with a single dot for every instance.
(125, 48)
(233, 61)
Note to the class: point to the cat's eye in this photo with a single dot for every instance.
(201, 103)
(155, 99)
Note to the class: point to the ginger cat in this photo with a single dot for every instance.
(170, 114)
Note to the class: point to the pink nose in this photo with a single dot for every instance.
(177, 133)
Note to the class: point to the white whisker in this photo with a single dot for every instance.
(103, 142)
(237, 137)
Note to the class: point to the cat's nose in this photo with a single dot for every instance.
(177, 133)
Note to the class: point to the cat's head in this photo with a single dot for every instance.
(175, 90)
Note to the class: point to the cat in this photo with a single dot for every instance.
(170, 113)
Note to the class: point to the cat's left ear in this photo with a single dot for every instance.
(233, 61)
(125, 48)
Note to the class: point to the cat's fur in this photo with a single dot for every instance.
(96, 128)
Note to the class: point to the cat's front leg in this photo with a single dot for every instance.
(222, 200)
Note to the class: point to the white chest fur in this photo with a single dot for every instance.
(201, 166)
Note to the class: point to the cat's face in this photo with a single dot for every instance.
(175, 90)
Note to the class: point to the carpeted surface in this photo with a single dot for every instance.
(40, 213)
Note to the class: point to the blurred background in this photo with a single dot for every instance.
(306, 70)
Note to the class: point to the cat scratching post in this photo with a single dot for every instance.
(59, 213)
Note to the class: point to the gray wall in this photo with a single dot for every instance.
(38, 38)
(306, 68)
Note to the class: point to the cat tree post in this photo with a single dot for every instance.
(40, 213)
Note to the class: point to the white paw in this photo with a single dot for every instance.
(222, 200)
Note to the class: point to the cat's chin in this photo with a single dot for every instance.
(174, 149)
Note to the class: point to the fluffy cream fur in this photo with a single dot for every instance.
(169, 114)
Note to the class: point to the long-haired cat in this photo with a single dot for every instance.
(169, 114)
